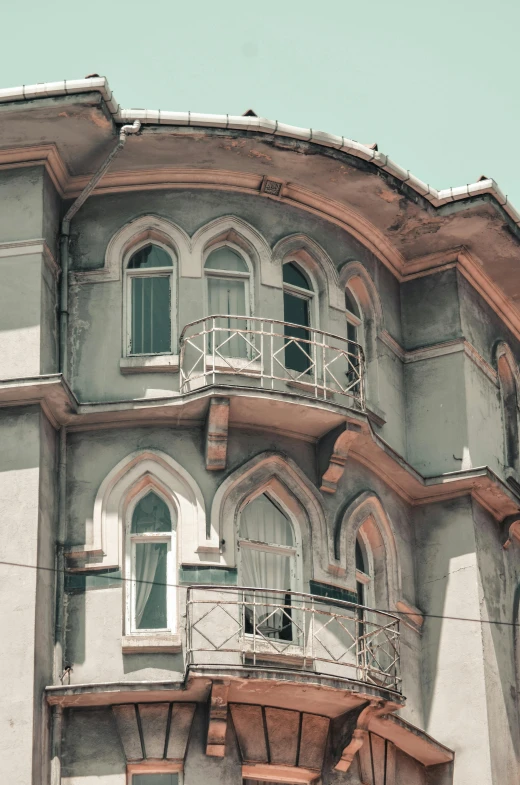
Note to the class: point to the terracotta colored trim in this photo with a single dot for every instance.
(46, 155)
(267, 772)
(368, 449)
(411, 740)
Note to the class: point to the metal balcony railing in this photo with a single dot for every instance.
(240, 626)
(274, 354)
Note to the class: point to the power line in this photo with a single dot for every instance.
(114, 577)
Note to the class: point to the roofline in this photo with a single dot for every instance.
(260, 125)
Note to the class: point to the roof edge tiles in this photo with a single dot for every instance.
(260, 125)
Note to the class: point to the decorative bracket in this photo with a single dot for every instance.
(338, 459)
(218, 717)
(510, 530)
(359, 734)
(217, 425)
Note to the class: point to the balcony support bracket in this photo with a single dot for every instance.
(338, 458)
(217, 425)
(359, 734)
(218, 718)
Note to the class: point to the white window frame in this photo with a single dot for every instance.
(171, 561)
(150, 272)
(160, 767)
(304, 294)
(247, 277)
(271, 547)
(355, 320)
(364, 578)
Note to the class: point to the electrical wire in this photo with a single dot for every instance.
(114, 577)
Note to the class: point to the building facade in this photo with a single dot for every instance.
(260, 483)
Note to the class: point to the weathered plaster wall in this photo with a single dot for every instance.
(96, 336)
(453, 676)
(498, 589)
(28, 287)
(430, 310)
(26, 605)
(437, 434)
(21, 196)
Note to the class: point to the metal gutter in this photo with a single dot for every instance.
(261, 125)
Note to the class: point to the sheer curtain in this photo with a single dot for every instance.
(228, 296)
(152, 518)
(263, 522)
(146, 560)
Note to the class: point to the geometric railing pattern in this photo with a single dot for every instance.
(234, 626)
(274, 354)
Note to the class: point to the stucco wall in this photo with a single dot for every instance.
(498, 590)
(453, 669)
(26, 605)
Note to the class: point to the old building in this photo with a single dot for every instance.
(260, 458)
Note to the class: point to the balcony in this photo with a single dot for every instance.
(261, 628)
(271, 355)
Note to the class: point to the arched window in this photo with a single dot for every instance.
(354, 335)
(228, 293)
(149, 283)
(151, 556)
(510, 411)
(298, 298)
(268, 554)
(362, 574)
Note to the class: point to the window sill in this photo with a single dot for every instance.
(160, 643)
(150, 363)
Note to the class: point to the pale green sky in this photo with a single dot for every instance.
(434, 83)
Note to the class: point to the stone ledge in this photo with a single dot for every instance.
(151, 644)
(153, 363)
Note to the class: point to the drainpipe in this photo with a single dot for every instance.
(60, 617)
(125, 131)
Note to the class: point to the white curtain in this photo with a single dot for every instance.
(146, 560)
(262, 521)
(228, 296)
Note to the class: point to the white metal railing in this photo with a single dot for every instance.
(274, 354)
(237, 625)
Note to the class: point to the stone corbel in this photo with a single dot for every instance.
(510, 530)
(218, 717)
(359, 734)
(338, 459)
(217, 425)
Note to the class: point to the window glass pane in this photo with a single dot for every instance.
(351, 304)
(150, 593)
(151, 514)
(155, 779)
(151, 319)
(228, 296)
(262, 521)
(360, 559)
(295, 275)
(351, 335)
(297, 353)
(150, 256)
(226, 259)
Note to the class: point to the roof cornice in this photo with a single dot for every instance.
(261, 125)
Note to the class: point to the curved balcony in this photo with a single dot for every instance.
(271, 355)
(265, 628)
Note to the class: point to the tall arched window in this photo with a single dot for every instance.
(297, 306)
(354, 335)
(510, 411)
(268, 554)
(228, 293)
(149, 283)
(151, 557)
